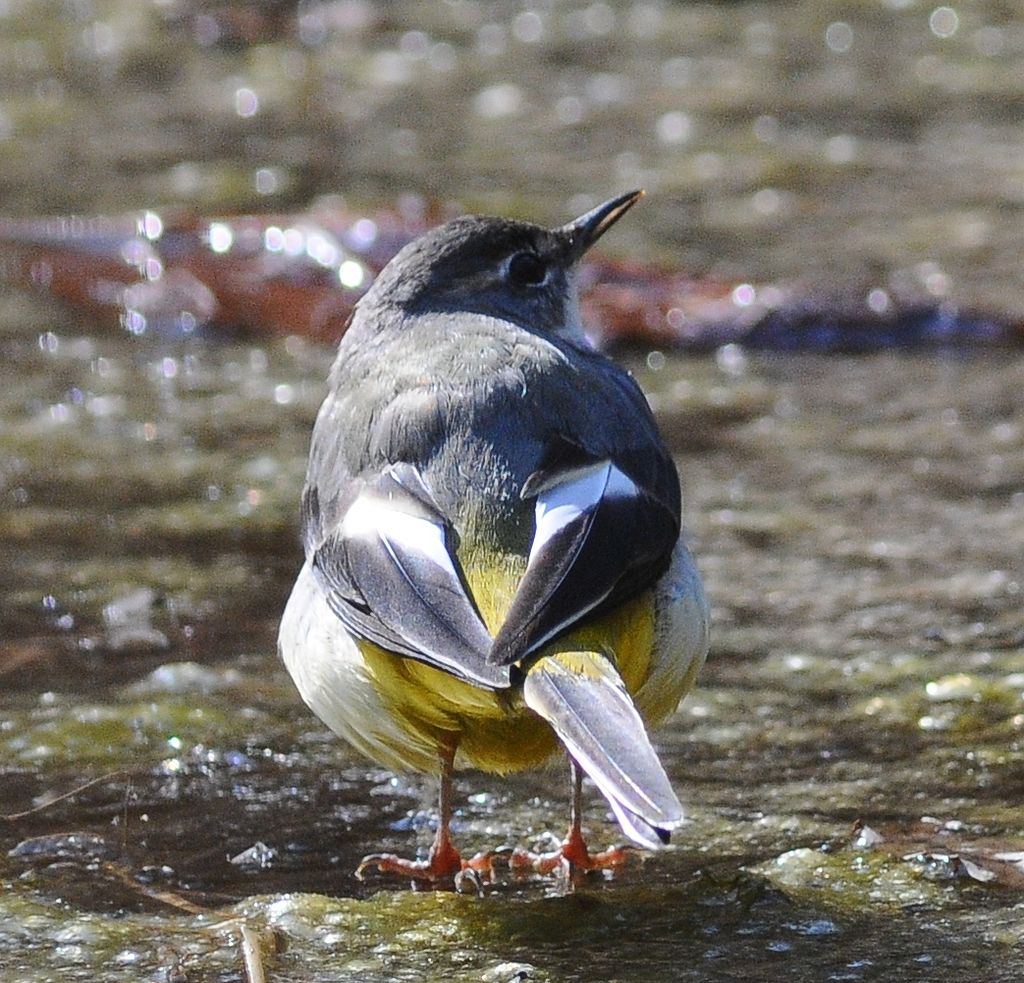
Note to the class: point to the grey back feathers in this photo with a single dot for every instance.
(461, 396)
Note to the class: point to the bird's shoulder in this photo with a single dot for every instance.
(454, 389)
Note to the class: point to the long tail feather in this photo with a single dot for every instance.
(584, 699)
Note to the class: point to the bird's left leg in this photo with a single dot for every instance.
(443, 863)
(573, 855)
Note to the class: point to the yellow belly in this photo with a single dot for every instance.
(496, 731)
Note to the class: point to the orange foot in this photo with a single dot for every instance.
(444, 866)
(570, 858)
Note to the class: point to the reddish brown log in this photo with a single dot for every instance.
(301, 274)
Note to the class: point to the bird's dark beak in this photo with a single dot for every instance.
(581, 233)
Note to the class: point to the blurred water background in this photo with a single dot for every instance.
(859, 520)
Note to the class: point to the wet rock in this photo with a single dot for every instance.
(257, 857)
(64, 846)
(128, 622)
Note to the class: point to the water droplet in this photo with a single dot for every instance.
(767, 201)
(504, 99)
(839, 36)
(674, 127)
(841, 149)
(220, 237)
(731, 359)
(266, 181)
(878, 300)
(351, 274)
(247, 103)
(528, 27)
(744, 295)
(151, 226)
(944, 22)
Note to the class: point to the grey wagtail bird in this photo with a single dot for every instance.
(491, 523)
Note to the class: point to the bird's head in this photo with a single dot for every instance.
(506, 269)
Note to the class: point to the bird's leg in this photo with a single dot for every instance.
(573, 855)
(443, 863)
(574, 849)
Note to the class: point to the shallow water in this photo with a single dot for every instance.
(858, 521)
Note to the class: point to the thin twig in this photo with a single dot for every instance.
(127, 878)
(249, 939)
(251, 956)
(122, 772)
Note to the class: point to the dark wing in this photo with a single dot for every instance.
(390, 574)
(603, 534)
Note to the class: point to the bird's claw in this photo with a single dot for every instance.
(570, 858)
(469, 876)
(432, 870)
(468, 881)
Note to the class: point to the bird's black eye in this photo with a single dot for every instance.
(527, 269)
